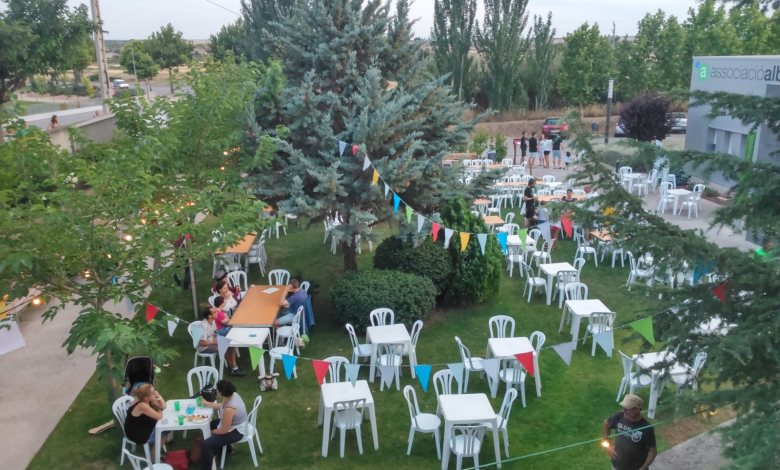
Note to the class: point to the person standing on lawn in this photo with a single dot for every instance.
(634, 446)
(533, 152)
(523, 146)
(557, 148)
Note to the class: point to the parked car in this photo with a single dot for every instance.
(118, 84)
(680, 122)
(620, 131)
(554, 126)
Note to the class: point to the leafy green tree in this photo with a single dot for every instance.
(230, 41)
(753, 30)
(538, 72)
(169, 49)
(635, 60)
(15, 67)
(258, 15)
(136, 61)
(671, 58)
(502, 50)
(765, 5)
(340, 91)
(453, 29)
(586, 66)
(709, 32)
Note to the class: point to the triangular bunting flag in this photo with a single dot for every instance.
(645, 328)
(457, 371)
(464, 240)
(197, 333)
(128, 302)
(151, 311)
(523, 235)
(255, 355)
(342, 147)
(435, 231)
(420, 222)
(567, 225)
(491, 367)
(605, 341)
(289, 364)
(482, 239)
(320, 369)
(564, 350)
(502, 240)
(423, 372)
(387, 189)
(222, 345)
(172, 326)
(374, 178)
(527, 360)
(545, 228)
(719, 291)
(351, 372)
(366, 163)
(396, 202)
(408, 214)
(355, 149)
(447, 236)
(387, 373)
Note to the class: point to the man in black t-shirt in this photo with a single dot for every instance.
(533, 152)
(530, 203)
(634, 447)
(523, 146)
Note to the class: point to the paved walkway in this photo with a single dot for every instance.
(700, 452)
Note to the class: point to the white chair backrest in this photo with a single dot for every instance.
(443, 382)
(601, 322)
(350, 412)
(382, 317)
(501, 326)
(699, 361)
(506, 405)
(578, 264)
(212, 298)
(337, 364)
(528, 269)
(507, 162)
(411, 401)
(510, 228)
(534, 234)
(628, 365)
(137, 462)
(631, 260)
(698, 188)
(565, 277)
(120, 407)
(205, 375)
(513, 370)
(415, 334)
(537, 339)
(251, 419)
(278, 277)
(352, 335)
(548, 179)
(579, 192)
(575, 291)
(544, 192)
(672, 178)
(470, 438)
(465, 354)
(305, 285)
(192, 326)
(624, 170)
(509, 218)
(487, 161)
(559, 192)
(238, 279)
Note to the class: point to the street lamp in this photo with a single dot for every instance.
(609, 109)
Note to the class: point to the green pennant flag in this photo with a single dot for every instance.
(523, 234)
(645, 328)
(408, 215)
(255, 354)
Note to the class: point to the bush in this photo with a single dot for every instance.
(410, 296)
(480, 141)
(646, 117)
(501, 150)
(429, 259)
(475, 276)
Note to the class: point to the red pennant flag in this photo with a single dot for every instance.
(719, 291)
(355, 148)
(151, 311)
(435, 231)
(567, 226)
(320, 369)
(527, 360)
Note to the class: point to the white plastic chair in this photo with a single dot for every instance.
(513, 375)
(411, 351)
(503, 416)
(578, 264)
(690, 377)
(444, 383)
(119, 408)
(599, 322)
(514, 255)
(421, 422)
(584, 248)
(305, 285)
(140, 463)
(382, 317)
(466, 441)
(257, 256)
(532, 239)
(238, 279)
(665, 198)
(212, 357)
(250, 434)
(692, 203)
(348, 415)
(636, 272)
(470, 364)
(390, 355)
(548, 179)
(284, 332)
(337, 366)
(205, 375)
(562, 279)
(288, 348)
(631, 380)
(543, 255)
(278, 277)
(358, 350)
(532, 281)
(212, 298)
(501, 326)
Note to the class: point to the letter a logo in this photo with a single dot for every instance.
(703, 72)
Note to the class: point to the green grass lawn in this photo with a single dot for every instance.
(575, 399)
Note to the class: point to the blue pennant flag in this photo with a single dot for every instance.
(457, 372)
(352, 372)
(502, 239)
(396, 202)
(289, 364)
(197, 332)
(423, 372)
(482, 239)
(342, 147)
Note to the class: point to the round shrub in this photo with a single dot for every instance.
(429, 259)
(410, 296)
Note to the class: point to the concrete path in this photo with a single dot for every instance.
(700, 452)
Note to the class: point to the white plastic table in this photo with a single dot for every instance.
(468, 408)
(170, 422)
(245, 337)
(580, 309)
(552, 269)
(330, 393)
(631, 177)
(650, 360)
(677, 193)
(388, 334)
(503, 348)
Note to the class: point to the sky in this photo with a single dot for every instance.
(198, 19)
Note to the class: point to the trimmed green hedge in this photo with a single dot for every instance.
(410, 296)
(429, 259)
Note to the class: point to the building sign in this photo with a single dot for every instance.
(764, 72)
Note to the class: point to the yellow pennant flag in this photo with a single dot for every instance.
(375, 177)
(464, 240)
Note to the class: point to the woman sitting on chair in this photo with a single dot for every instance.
(225, 431)
(143, 414)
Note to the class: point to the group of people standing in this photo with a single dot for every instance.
(548, 145)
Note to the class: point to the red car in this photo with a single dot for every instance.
(554, 126)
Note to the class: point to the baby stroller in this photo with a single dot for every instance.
(139, 370)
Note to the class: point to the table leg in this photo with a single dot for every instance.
(157, 438)
(445, 452)
(412, 358)
(563, 317)
(325, 431)
(372, 416)
(372, 367)
(575, 329)
(496, 444)
(537, 375)
(549, 289)
(654, 386)
(221, 365)
(261, 367)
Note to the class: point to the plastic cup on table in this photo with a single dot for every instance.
(190, 410)
(199, 401)
(177, 405)
(181, 420)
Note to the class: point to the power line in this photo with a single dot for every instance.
(224, 7)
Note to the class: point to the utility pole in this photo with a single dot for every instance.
(100, 53)
(609, 109)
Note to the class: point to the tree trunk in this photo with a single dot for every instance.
(350, 255)
(170, 78)
(112, 387)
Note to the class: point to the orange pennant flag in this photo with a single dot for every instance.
(464, 240)
(567, 225)
(151, 311)
(320, 369)
(435, 231)
(527, 360)
(375, 178)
